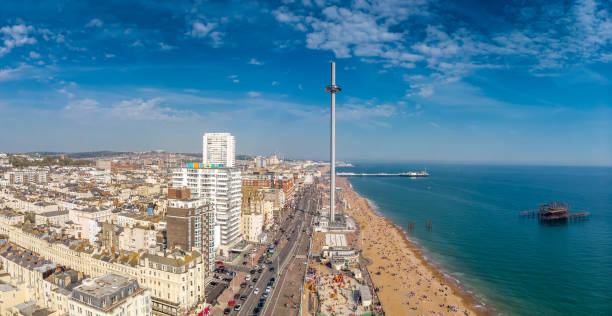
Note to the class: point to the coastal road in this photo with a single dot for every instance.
(292, 226)
(300, 249)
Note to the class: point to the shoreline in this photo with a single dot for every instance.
(454, 293)
(468, 295)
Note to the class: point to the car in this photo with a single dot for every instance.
(269, 288)
(265, 294)
(271, 269)
(237, 307)
(218, 262)
(227, 311)
(256, 291)
(269, 262)
(256, 310)
(256, 267)
(260, 270)
(272, 279)
(252, 271)
(243, 285)
(261, 304)
(244, 263)
(255, 280)
(263, 266)
(231, 303)
(236, 296)
(250, 286)
(243, 297)
(248, 277)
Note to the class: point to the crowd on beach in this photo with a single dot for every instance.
(404, 282)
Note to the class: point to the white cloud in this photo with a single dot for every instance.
(94, 23)
(132, 109)
(82, 106)
(363, 112)
(434, 124)
(110, 55)
(66, 92)
(7, 73)
(541, 38)
(254, 61)
(274, 83)
(200, 29)
(253, 94)
(15, 36)
(165, 47)
(34, 55)
(217, 38)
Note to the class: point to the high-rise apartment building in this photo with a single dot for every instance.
(219, 148)
(191, 226)
(221, 187)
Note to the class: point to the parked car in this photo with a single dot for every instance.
(226, 311)
(256, 291)
(237, 307)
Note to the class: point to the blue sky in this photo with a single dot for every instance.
(489, 81)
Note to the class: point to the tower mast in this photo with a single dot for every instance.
(332, 89)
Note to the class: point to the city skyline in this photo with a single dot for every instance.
(422, 80)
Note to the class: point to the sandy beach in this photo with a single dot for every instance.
(407, 284)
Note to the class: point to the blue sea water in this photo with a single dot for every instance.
(515, 265)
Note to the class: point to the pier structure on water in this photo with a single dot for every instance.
(385, 174)
(554, 212)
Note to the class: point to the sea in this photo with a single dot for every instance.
(511, 264)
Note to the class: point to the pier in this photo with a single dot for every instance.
(384, 174)
(554, 212)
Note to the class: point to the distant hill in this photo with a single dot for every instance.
(96, 154)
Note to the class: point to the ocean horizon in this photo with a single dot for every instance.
(514, 265)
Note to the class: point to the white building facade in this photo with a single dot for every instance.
(221, 187)
(219, 148)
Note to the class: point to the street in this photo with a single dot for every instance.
(290, 237)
